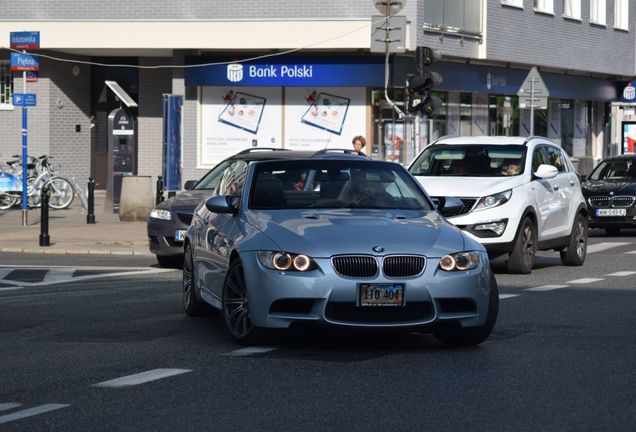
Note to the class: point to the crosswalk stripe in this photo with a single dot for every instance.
(584, 280)
(598, 247)
(507, 296)
(621, 273)
(250, 351)
(30, 412)
(8, 406)
(546, 288)
(141, 378)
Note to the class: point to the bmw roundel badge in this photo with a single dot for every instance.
(378, 248)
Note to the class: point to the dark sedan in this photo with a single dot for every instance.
(169, 220)
(610, 193)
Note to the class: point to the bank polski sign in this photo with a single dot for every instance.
(629, 92)
(290, 72)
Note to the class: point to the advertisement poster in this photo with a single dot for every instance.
(629, 137)
(234, 119)
(323, 117)
(393, 141)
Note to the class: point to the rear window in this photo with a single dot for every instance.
(470, 161)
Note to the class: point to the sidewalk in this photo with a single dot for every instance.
(70, 234)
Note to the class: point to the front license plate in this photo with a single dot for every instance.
(180, 235)
(611, 212)
(381, 294)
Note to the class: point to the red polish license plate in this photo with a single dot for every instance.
(378, 294)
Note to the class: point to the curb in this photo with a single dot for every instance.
(128, 252)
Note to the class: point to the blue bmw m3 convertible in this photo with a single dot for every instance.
(336, 240)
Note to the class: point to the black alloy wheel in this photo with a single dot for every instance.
(236, 307)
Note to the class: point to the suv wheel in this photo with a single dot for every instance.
(521, 258)
(574, 254)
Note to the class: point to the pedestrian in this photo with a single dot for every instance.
(358, 142)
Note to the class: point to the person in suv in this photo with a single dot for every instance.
(519, 195)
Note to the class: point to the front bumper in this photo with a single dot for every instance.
(279, 299)
(627, 221)
(161, 237)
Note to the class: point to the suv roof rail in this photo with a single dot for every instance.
(340, 150)
(257, 149)
(531, 137)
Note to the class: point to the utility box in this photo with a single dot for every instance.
(121, 153)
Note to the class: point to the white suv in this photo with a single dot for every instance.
(518, 194)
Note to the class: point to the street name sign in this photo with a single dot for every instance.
(24, 62)
(25, 40)
(24, 99)
(533, 89)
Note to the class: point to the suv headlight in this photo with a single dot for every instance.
(460, 261)
(160, 214)
(493, 200)
(285, 261)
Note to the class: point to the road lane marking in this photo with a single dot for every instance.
(250, 351)
(631, 252)
(141, 378)
(507, 296)
(31, 412)
(9, 405)
(70, 278)
(584, 280)
(5, 271)
(546, 288)
(55, 275)
(598, 247)
(621, 273)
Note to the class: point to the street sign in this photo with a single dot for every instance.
(388, 30)
(24, 99)
(24, 62)
(32, 76)
(25, 40)
(533, 89)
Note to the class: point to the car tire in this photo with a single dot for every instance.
(235, 307)
(613, 231)
(521, 259)
(471, 336)
(170, 261)
(192, 306)
(574, 254)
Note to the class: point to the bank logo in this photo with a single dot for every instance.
(629, 93)
(235, 72)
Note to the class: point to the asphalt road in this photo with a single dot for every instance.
(561, 357)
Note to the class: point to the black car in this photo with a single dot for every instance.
(610, 193)
(169, 220)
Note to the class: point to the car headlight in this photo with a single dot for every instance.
(460, 261)
(285, 261)
(160, 214)
(493, 200)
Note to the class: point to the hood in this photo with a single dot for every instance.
(323, 233)
(604, 187)
(467, 187)
(186, 200)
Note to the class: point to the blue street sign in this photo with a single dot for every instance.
(24, 62)
(24, 99)
(25, 40)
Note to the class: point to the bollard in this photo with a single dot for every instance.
(159, 198)
(45, 240)
(90, 214)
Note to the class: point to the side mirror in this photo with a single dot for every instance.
(190, 184)
(450, 205)
(220, 204)
(546, 171)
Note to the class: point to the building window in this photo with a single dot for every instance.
(621, 14)
(572, 9)
(544, 6)
(462, 17)
(465, 114)
(6, 84)
(597, 12)
(515, 3)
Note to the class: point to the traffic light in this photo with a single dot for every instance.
(418, 87)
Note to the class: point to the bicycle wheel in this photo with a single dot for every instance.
(7, 201)
(33, 195)
(61, 193)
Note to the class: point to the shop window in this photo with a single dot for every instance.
(453, 16)
(503, 115)
(567, 125)
(541, 122)
(465, 113)
(598, 12)
(621, 14)
(544, 6)
(572, 9)
(6, 84)
(437, 121)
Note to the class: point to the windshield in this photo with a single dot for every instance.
(470, 160)
(335, 184)
(615, 170)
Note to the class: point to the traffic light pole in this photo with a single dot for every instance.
(387, 71)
